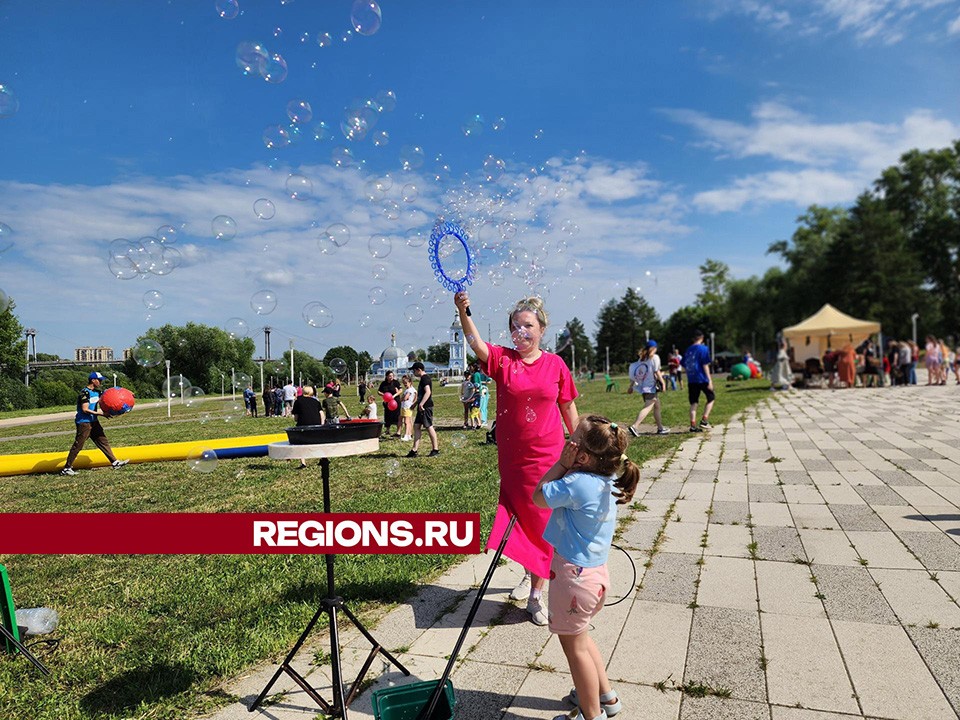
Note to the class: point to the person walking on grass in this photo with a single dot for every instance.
(424, 418)
(88, 425)
(647, 380)
(696, 363)
(582, 489)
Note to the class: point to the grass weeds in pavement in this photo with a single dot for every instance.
(155, 636)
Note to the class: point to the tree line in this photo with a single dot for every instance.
(894, 253)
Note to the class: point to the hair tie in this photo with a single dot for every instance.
(613, 426)
(624, 458)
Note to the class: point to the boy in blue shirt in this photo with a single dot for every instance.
(696, 363)
(88, 425)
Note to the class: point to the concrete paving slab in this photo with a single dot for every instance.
(850, 593)
(858, 517)
(714, 708)
(842, 493)
(730, 493)
(486, 690)
(692, 510)
(727, 582)
(653, 646)
(683, 537)
(725, 512)
(641, 535)
(813, 517)
(787, 589)
(918, 496)
(799, 494)
(785, 713)
(728, 541)
(828, 547)
(898, 478)
(765, 493)
(935, 551)
(883, 550)
(916, 598)
(772, 514)
(889, 675)
(950, 582)
(775, 543)
(724, 652)
(671, 579)
(940, 648)
(908, 519)
(804, 666)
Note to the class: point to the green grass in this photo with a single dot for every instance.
(155, 636)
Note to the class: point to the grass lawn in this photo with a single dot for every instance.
(154, 636)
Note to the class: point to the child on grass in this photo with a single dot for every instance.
(583, 488)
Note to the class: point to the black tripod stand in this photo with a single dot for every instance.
(330, 606)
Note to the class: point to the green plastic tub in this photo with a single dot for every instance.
(406, 702)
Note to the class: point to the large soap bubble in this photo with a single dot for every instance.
(299, 187)
(6, 237)
(299, 111)
(274, 69)
(236, 328)
(264, 209)
(228, 9)
(251, 58)
(153, 299)
(339, 234)
(202, 460)
(177, 387)
(147, 353)
(8, 102)
(338, 365)
(317, 315)
(224, 227)
(263, 302)
(365, 17)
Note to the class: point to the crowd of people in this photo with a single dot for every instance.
(867, 366)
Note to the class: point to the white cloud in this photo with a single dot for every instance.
(954, 27)
(581, 223)
(827, 163)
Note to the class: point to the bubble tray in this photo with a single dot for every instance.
(406, 702)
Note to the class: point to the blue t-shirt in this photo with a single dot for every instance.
(91, 398)
(583, 519)
(694, 359)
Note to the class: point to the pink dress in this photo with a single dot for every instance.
(529, 440)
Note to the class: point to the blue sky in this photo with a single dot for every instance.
(637, 139)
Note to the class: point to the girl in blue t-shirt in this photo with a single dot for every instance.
(583, 488)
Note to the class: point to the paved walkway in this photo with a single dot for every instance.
(805, 566)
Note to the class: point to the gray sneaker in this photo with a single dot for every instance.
(538, 616)
(68, 471)
(522, 590)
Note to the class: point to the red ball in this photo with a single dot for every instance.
(116, 401)
(392, 405)
(388, 398)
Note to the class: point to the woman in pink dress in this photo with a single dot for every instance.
(535, 400)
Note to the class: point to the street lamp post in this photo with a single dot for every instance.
(608, 360)
(168, 388)
(913, 321)
(233, 383)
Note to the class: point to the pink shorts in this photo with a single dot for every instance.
(576, 595)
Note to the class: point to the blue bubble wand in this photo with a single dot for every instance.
(448, 247)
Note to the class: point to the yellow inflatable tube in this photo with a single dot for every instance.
(29, 463)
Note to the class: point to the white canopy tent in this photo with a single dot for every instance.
(827, 329)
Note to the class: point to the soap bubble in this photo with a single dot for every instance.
(204, 418)
(177, 386)
(224, 227)
(147, 353)
(365, 319)
(167, 234)
(339, 234)
(325, 244)
(410, 193)
(9, 104)
(499, 124)
(321, 131)
(123, 268)
(153, 299)
(347, 36)
(317, 315)
(299, 187)
(263, 302)
(202, 460)
(425, 292)
(365, 17)
(416, 237)
(413, 313)
(379, 271)
(473, 125)
(354, 126)
(227, 9)
(342, 158)
(381, 139)
(538, 135)
(242, 380)
(391, 209)
(387, 100)
(411, 157)
(493, 168)
(338, 365)
(6, 237)
(377, 295)
(570, 227)
(299, 111)
(495, 276)
(274, 69)
(193, 396)
(407, 289)
(391, 467)
(458, 440)
(236, 328)
(251, 58)
(264, 209)
(573, 267)
(324, 39)
(379, 246)
(275, 136)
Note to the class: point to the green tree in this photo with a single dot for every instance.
(439, 353)
(622, 326)
(679, 327)
(573, 342)
(13, 345)
(346, 353)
